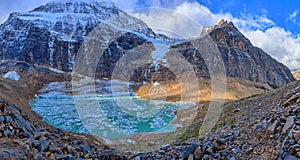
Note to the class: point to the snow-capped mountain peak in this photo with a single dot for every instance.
(98, 9)
(76, 6)
(52, 34)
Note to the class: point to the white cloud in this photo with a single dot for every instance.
(188, 19)
(279, 43)
(292, 16)
(201, 13)
(168, 21)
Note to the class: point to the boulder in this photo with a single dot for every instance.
(289, 123)
(271, 130)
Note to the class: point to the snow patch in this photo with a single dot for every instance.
(56, 70)
(13, 75)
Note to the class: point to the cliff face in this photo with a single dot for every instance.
(240, 58)
(244, 60)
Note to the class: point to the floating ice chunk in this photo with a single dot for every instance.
(13, 75)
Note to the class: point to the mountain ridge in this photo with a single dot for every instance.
(51, 35)
(53, 39)
(236, 49)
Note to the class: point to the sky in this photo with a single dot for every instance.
(273, 26)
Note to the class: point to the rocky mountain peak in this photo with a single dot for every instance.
(208, 29)
(229, 35)
(222, 22)
(77, 7)
(50, 35)
(241, 59)
(70, 12)
(223, 26)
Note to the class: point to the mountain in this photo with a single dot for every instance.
(241, 59)
(51, 35)
(221, 49)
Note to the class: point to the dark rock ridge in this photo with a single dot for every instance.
(240, 58)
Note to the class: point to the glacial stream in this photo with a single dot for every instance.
(109, 115)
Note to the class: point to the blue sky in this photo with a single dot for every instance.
(282, 13)
(273, 26)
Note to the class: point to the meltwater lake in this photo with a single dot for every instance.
(107, 116)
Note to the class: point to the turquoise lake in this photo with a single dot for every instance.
(107, 116)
